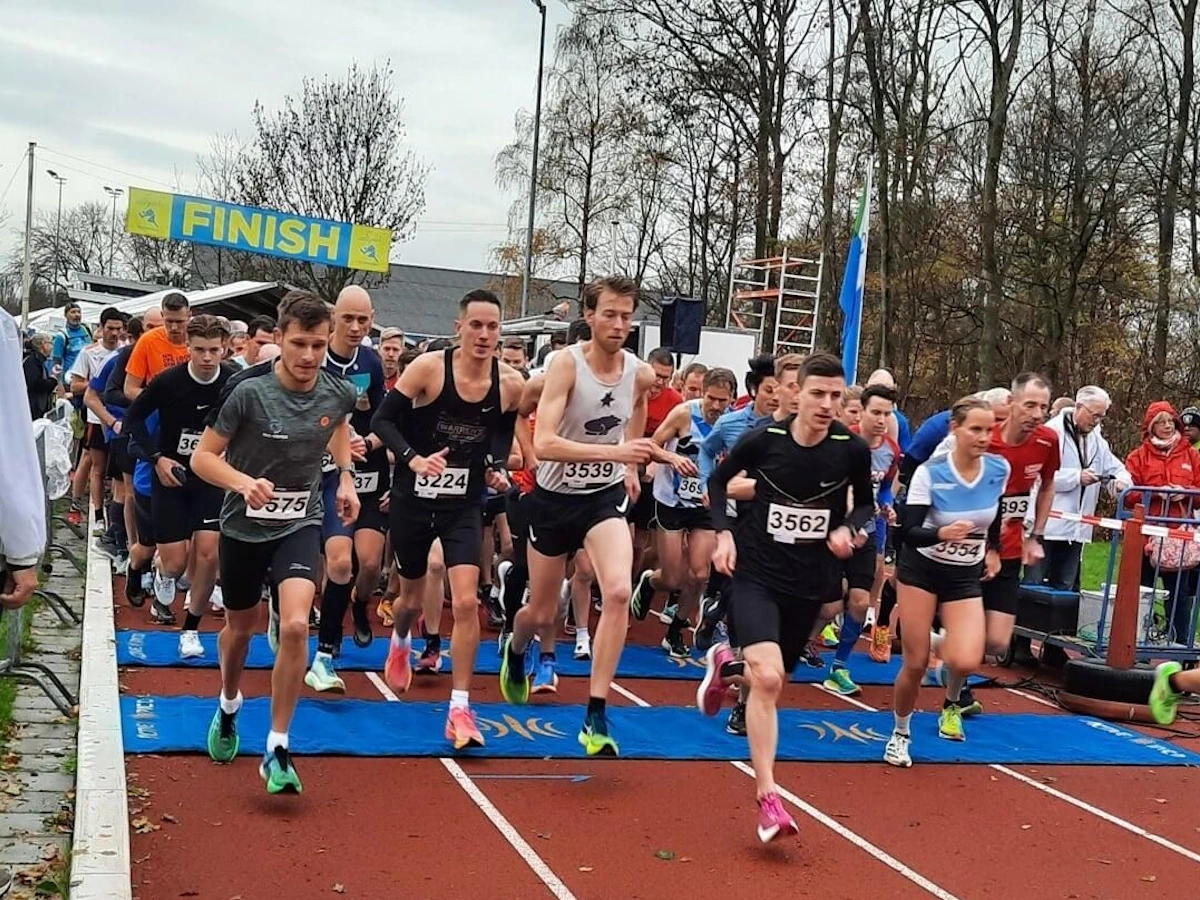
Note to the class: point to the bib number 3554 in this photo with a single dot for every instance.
(788, 524)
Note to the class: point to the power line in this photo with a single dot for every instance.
(12, 177)
(103, 166)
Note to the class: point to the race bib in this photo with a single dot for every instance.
(450, 483)
(327, 463)
(691, 489)
(285, 506)
(788, 524)
(188, 442)
(1014, 507)
(958, 553)
(590, 474)
(366, 482)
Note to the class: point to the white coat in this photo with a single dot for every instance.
(1076, 453)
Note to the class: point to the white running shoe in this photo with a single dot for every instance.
(190, 646)
(583, 646)
(896, 751)
(164, 589)
(322, 677)
(216, 602)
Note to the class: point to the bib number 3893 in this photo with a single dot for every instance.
(789, 524)
(448, 483)
(285, 506)
(1014, 507)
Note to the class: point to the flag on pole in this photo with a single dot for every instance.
(851, 297)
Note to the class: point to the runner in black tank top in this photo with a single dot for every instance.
(448, 447)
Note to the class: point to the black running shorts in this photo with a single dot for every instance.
(860, 568)
(682, 518)
(182, 511)
(946, 582)
(494, 506)
(93, 437)
(558, 523)
(120, 463)
(244, 564)
(415, 525)
(143, 519)
(763, 616)
(1002, 592)
(642, 513)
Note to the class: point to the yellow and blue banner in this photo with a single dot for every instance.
(180, 217)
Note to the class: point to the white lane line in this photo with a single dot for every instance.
(832, 824)
(1035, 698)
(506, 829)
(1066, 798)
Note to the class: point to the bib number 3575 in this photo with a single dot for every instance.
(788, 524)
(285, 506)
(449, 483)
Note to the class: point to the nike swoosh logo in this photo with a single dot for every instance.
(211, 521)
(199, 408)
(487, 409)
(828, 483)
(623, 505)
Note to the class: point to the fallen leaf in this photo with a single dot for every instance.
(685, 859)
(994, 778)
(1149, 878)
(13, 790)
(1160, 799)
(167, 817)
(1048, 779)
(544, 835)
(586, 869)
(1026, 827)
(664, 854)
(1104, 862)
(339, 888)
(142, 825)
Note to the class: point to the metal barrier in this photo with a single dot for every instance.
(1138, 619)
(11, 665)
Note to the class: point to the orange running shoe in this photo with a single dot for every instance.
(880, 650)
(384, 611)
(461, 730)
(397, 671)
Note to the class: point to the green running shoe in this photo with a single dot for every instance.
(595, 738)
(839, 682)
(950, 724)
(222, 737)
(514, 684)
(1164, 700)
(278, 774)
(967, 704)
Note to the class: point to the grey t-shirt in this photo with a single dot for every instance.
(279, 435)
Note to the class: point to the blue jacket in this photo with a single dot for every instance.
(931, 433)
(725, 433)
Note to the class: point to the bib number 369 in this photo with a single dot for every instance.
(285, 506)
(448, 483)
(788, 524)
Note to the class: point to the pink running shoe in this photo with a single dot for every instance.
(773, 819)
(461, 729)
(713, 687)
(397, 671)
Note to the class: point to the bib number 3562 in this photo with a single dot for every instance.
(285, 506)
(449, 483)
(788, 524)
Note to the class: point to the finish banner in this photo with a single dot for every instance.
(179, 217)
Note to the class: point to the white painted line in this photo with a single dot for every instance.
(506, 829)
(100, 850)
(1066, 798)
(833, 825)
(1035, 698)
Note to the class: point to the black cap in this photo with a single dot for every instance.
(1190, 417)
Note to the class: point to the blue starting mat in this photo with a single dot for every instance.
(380, 728)
(161, 649)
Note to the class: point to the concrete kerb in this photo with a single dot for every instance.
(100, 850)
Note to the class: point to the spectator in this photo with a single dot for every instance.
(1086, 463)
(69, 341)
(558, 340)
(1060, 404)
(259, 333)
(1191, 425)
(39, 385)
(512, 353)
(1165, 460)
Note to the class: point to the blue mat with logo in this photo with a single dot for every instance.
(381, 728)
(161, 648)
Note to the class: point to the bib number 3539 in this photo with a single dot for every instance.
(285, 506)
(449, 483)
(788, 524)
(587, 474)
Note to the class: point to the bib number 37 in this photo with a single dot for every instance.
(789, 524)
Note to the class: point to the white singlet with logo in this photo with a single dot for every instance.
(596, 413)
(675, 490)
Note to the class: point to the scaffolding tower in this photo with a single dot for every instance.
(777, 299)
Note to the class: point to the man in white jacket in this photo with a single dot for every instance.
(1087, 462)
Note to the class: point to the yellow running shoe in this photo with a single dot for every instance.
(950, 724)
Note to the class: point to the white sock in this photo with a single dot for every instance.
(276, 739)
(229, 707)
(398, 641)
(581, 635)
(954, 685)
(458, 699)
(901, 726)
(935, 642)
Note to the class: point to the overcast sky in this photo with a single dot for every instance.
(141, 87)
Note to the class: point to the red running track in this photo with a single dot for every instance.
(428, 828)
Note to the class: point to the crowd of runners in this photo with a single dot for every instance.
(295, 457)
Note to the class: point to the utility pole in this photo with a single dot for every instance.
(57, 231)
(612, 269)
(27, 269)
(537, 127)
(112, 233)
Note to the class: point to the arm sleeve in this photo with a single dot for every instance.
(711, 448)
(864, 491)
(912, 517)
(114, 388)
(502, 439)
(993, 532)
(395, 407)
(146, 403)
(743, 457)
(22, 489)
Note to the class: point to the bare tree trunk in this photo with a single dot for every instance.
(883, 149)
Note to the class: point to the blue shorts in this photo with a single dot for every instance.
(331, 525)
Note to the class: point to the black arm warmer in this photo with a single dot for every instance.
(502, 440)
(864, 495)
(993, 533)
(912, 527)
(386, 424)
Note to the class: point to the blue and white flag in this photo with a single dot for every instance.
(851, 297)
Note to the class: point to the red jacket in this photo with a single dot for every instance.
(1151, 467)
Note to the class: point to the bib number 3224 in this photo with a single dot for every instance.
(449, 483)
(285, 506)
(789, 524)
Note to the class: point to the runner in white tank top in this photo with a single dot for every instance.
(590, 421)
